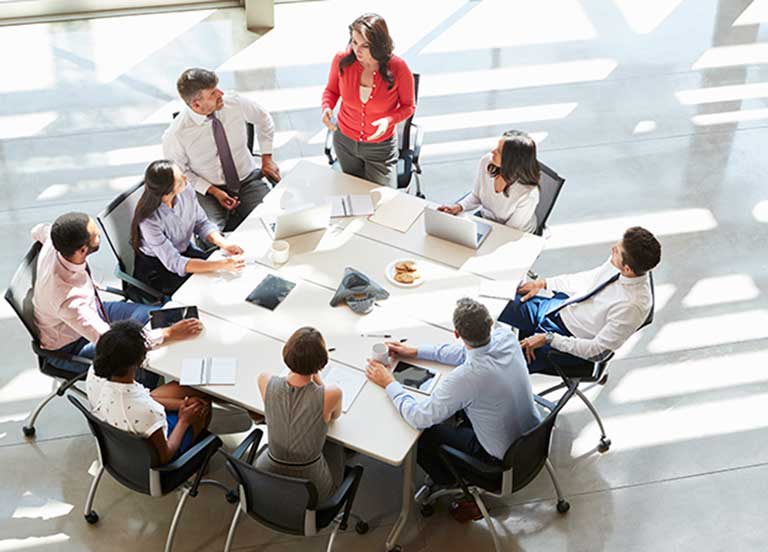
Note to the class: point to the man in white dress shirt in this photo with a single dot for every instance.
(209, 141)
(591, 313)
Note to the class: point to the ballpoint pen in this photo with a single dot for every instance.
(375, 335)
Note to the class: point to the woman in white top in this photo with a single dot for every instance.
(507, 184)
(171, 416)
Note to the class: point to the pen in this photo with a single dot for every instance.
(404, 340)
(375, 335)
(331, 349)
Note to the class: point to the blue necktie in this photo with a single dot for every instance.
(586, 296)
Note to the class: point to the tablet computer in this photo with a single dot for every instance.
(413, 377)
(270, 292)
(163, 318)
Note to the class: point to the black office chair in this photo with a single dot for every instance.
(410, 137)
(115, 222)
(522, 462)
(549, 189)
(288, 504)
(133, 462)
(19, 296)
(588, 372)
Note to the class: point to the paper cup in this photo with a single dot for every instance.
(280, 251)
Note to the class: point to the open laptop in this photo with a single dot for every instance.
(458, 229)
(299, 221)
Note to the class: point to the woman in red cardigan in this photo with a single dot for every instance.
(376, 89)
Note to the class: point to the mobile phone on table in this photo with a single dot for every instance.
(164, 318)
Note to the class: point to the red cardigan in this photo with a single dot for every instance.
(354, 118)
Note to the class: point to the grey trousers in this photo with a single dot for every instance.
(251, 193)
(374, 161)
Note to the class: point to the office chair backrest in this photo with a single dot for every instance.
(649, 318)
(116, 220)
(527, 455)
(403, 130)
(21, 287)
(127, 457)
(549, 188)
(279, 502)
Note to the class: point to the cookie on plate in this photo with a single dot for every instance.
(405, 277)
(405, 266)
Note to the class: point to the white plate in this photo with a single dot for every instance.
(390, 273)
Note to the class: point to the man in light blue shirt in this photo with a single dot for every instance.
(490, 384)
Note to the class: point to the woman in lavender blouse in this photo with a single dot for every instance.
(167, 217)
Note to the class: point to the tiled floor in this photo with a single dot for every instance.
(655, 112)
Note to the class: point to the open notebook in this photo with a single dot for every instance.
(351, 205)
(208, 371)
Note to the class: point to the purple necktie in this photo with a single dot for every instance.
(231, 179)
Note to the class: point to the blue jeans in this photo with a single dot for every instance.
(116, 311)
(189, 436)
(531, 317)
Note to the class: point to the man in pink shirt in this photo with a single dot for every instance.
(69, 314)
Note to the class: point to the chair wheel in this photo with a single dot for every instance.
(603, 380)
(361, 527)
(28, 431)
(427, 510)
(91, 517)
(563, 506)
(232, 497)
(605, 444)
(396, 548)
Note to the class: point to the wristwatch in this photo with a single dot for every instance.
(548, 337)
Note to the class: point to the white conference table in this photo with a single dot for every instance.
(255, 336)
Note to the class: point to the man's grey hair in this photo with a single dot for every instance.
(193, 81)
(473, 322)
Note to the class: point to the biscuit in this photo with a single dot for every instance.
(404, 277)
(405, 266)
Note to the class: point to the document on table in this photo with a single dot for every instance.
(349, 380)
(395, 209)
(499, 289)
(208, 371)
(350, 205)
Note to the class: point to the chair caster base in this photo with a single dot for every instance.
(396, 548)
(422, 196)
(28, 431)
(563, 506)
(232, 497)
(361, 528)
(91, 517)
(603, 380)
(427, 510)
(605, 444)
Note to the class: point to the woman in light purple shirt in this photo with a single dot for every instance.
(167, 217)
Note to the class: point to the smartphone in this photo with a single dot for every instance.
(270, 292)
(168, 317)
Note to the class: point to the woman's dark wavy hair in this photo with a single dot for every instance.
(158, 181)
(518, 161)
(119, 349)
(374, 29)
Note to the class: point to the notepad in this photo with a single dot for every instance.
(351, 205)
(395, 210)
(499, 289)
(208, 371)
(349, 380)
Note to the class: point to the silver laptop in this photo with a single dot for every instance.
(300, 221)
(458, 229)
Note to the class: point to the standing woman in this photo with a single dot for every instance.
(506, 185)
(376, 91)
(166, 218)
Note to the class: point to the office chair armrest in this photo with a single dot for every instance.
(541, 401)
(113, 291)
(417, 138)
(474, 464)
(327, 148)
(128, 279)
(344, 494)
(252, 440)
(209, 441)
(61, 356)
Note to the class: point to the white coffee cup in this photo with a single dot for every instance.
(380, 353)
(279, 251)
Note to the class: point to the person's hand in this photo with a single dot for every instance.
(233, 264)
(224, 199)
(398, 349)
(191, 412)
(451, 209)
(270, 168)
(383, 125)
(529, 289)
(232, 249)
(378, 373)
(203, 401)
(184, 329)
(327, 119)
(530, 344)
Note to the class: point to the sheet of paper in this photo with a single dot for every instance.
(351, 205)
(208, 371)
(349, 380)
(396, 210)
(498, 289)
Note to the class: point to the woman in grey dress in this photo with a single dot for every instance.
(298, 410)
